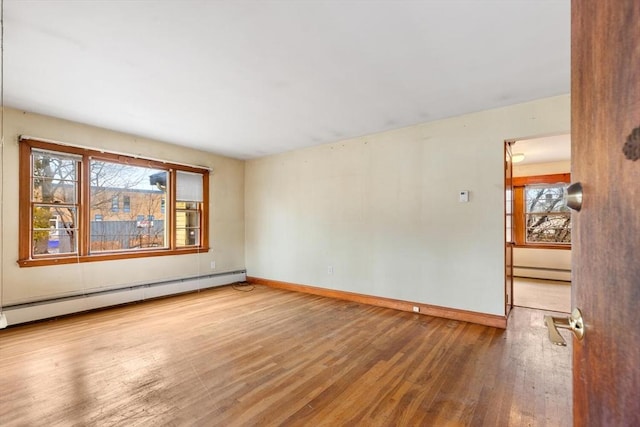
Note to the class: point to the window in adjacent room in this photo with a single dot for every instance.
(548, 219)
(541, 218)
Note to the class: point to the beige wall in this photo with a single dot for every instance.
(383, 211)
(542, 258)
(550, 168)
(36, 283)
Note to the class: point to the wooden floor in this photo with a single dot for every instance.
(550, 295)
(223, 357)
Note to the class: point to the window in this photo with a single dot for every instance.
(548, 219)
(52, 202)
(187, 223)
(120, 231)
(188, 204)
(70, 212)
(540, 217)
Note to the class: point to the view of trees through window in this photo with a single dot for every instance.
(121, 194)
(81, 205)
(54, 196)
(548, 219)
(113, 227)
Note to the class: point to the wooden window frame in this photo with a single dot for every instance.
(84, 239)
(519, 212)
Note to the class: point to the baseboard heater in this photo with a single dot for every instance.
(546, 273)
(54, 307)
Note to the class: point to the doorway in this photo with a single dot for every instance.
(540, 258)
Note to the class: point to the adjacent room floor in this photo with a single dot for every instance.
(271, 357)
(549, 295)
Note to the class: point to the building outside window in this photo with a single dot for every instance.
(189, 197)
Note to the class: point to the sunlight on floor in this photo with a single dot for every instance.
(542, 294)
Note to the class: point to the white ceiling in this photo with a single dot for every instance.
(252, 78)
(544, 150)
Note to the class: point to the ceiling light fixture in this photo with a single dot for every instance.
(517, 157)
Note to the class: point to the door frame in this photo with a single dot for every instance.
(508, 230)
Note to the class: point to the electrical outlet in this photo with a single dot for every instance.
(213, 265)
(330, 269)
(416, 309)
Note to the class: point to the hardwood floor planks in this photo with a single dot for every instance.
(541, 294)
(275, 357)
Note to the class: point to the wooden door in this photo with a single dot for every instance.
(508, 219)
(605, 108)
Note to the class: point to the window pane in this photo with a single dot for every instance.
(54, 229)
(549, 228)
(548, 219)
(53, 177)
(187, 227)
(546, 198)
(187, 205)
(141, 191)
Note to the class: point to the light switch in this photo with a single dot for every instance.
(464, 196)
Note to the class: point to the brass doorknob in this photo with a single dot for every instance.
(573, 323)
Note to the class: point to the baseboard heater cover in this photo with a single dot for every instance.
(44, 309)
(524, 267)
(542, 273)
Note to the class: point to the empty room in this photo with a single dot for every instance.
(309, 213)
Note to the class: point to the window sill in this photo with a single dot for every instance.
(60, 260)
(542, 246)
